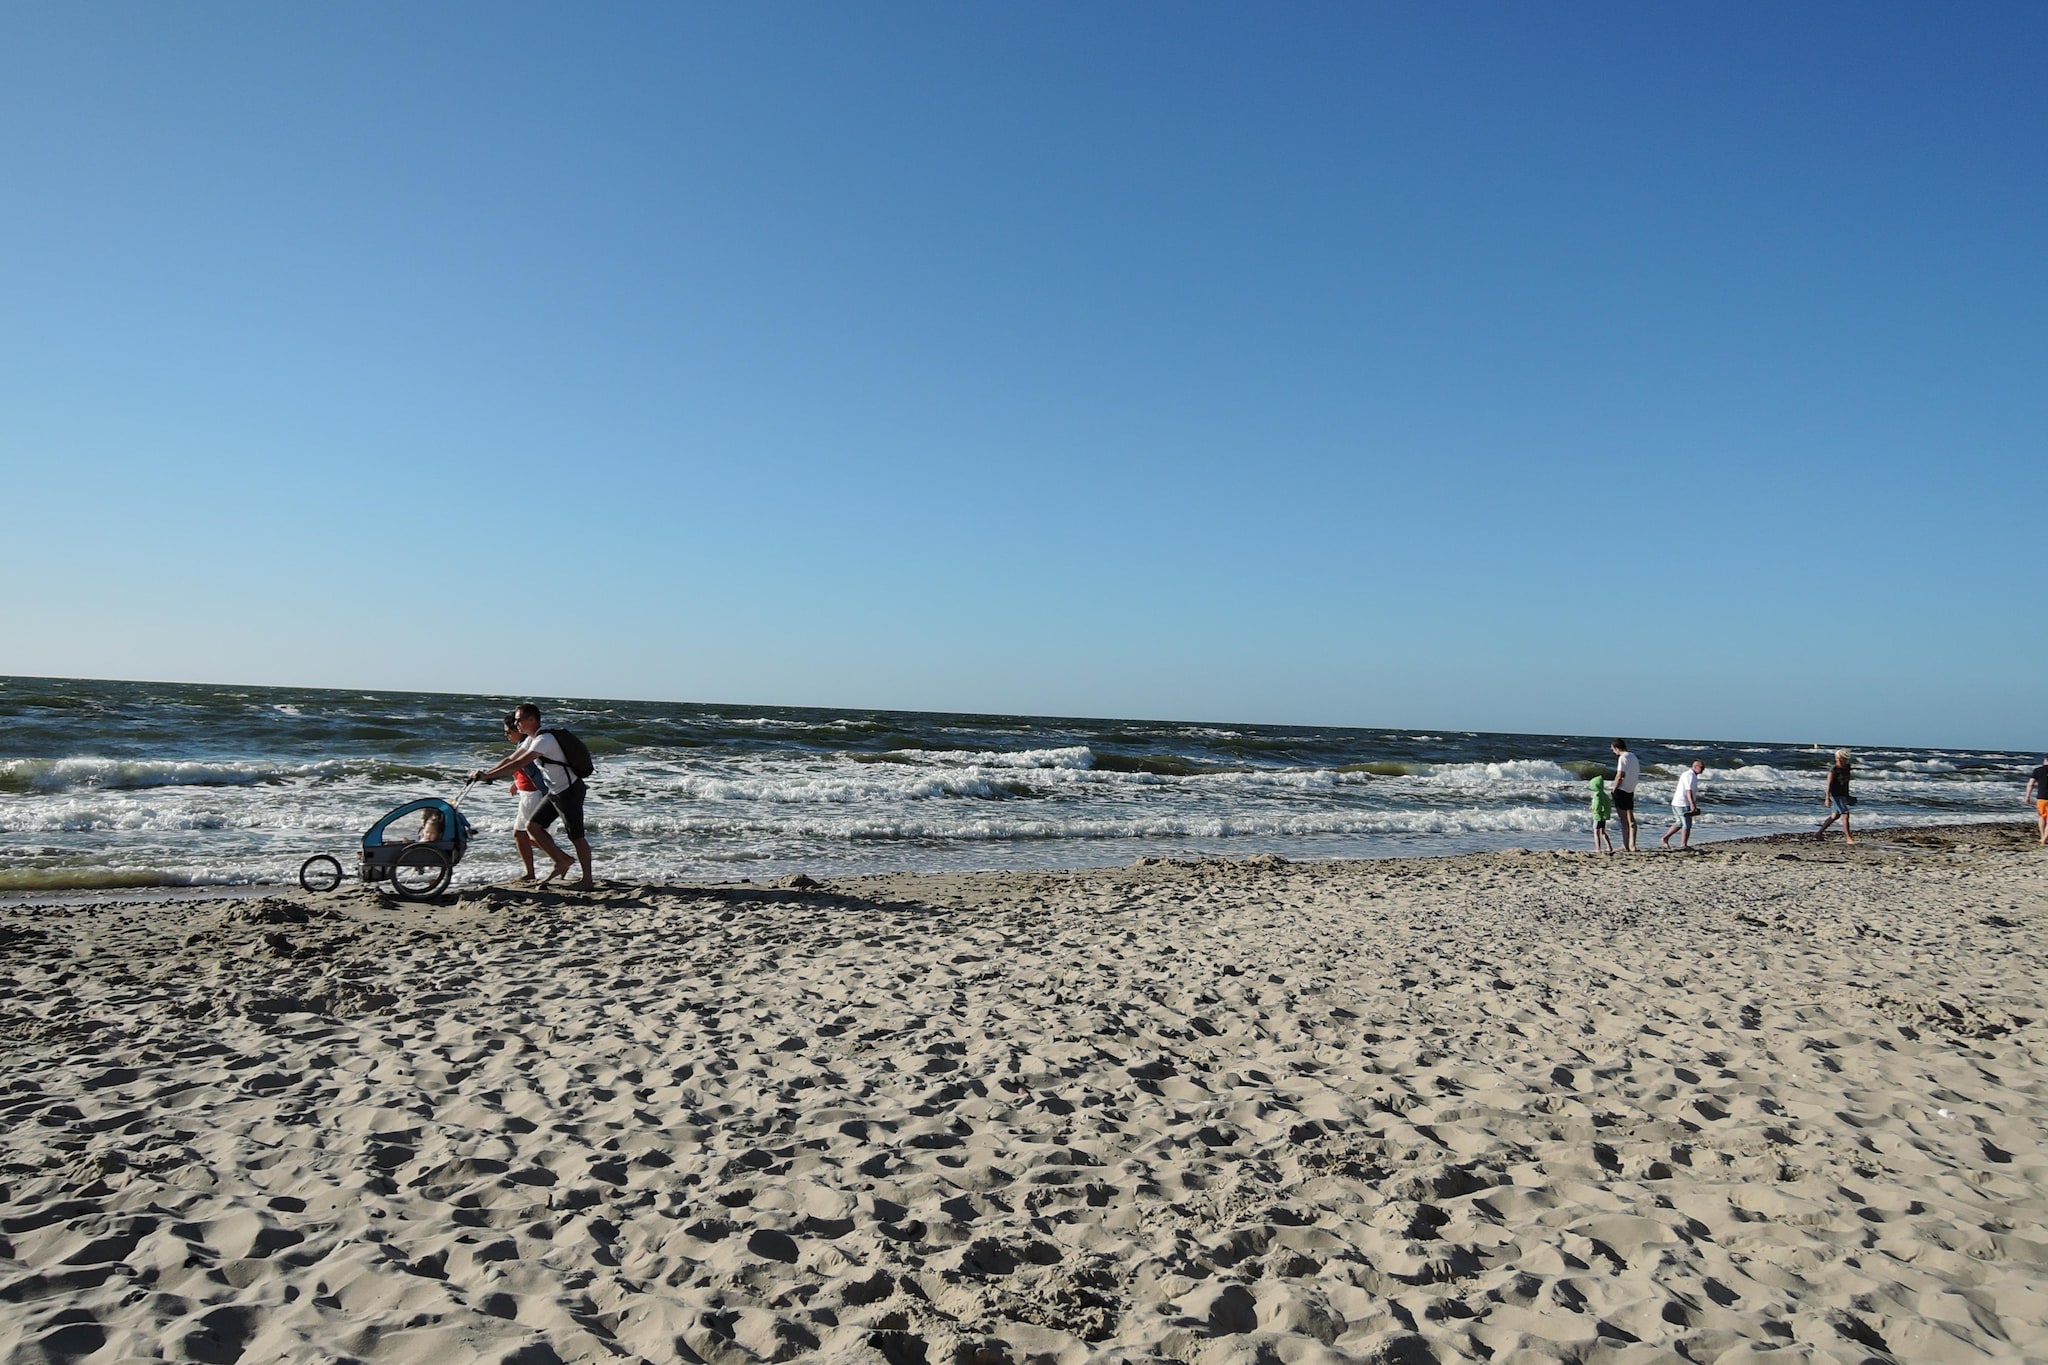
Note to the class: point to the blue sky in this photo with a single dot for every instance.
(1565, 368)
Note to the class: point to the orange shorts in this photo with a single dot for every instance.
(2041, 807)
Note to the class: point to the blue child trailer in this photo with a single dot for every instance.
(417, 867)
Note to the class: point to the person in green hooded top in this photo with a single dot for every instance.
(1603, 811)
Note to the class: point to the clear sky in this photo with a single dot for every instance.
(1595, 368)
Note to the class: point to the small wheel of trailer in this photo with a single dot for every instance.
(320, 873)
(420, 871)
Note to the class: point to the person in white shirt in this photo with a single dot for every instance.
(565, 794)
(1685, 805)
(1627, 772)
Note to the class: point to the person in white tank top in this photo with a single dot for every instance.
(1627, 772)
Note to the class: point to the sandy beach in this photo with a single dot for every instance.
(1779, 1097)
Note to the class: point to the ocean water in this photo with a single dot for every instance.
(129, 784)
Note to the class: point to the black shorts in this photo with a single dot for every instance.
(1623, 801)
(567, 804)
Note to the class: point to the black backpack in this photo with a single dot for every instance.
(574, 751)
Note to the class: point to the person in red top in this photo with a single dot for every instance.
(2037, 792)
(526, 785)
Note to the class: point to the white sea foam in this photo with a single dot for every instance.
(912, 776)
(914, 785)
(52, 820)
(1295, 779)
(66, 774)
(675, 825)
(19, 815)
(1514, 770)
(238, 799)
(1755, 774)
(1075, 756)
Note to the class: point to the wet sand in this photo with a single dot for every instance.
(1777, 1097)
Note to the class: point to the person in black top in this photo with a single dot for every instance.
(1838, 799)
(2037, 792)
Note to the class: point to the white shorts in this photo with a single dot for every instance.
(529, 802)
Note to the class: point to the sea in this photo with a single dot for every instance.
(134, 784)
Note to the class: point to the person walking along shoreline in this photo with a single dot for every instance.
(2037, 792)
(1627, 772)
(530, 790)
(1685, 806)
(565, 792)
(1603, 811)
(1837, 798)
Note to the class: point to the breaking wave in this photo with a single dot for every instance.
(29, 775)
(133, 782)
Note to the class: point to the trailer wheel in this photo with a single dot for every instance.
(420, 871)
(320, 873)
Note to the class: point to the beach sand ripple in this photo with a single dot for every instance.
(1776, 1098)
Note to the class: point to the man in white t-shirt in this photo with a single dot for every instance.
(1627, 772)
(565, 794)
(1685, 806)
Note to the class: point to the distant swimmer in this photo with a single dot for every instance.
(2037, 792)
(1837, 798)
(1685, 806)
(1627, 772)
